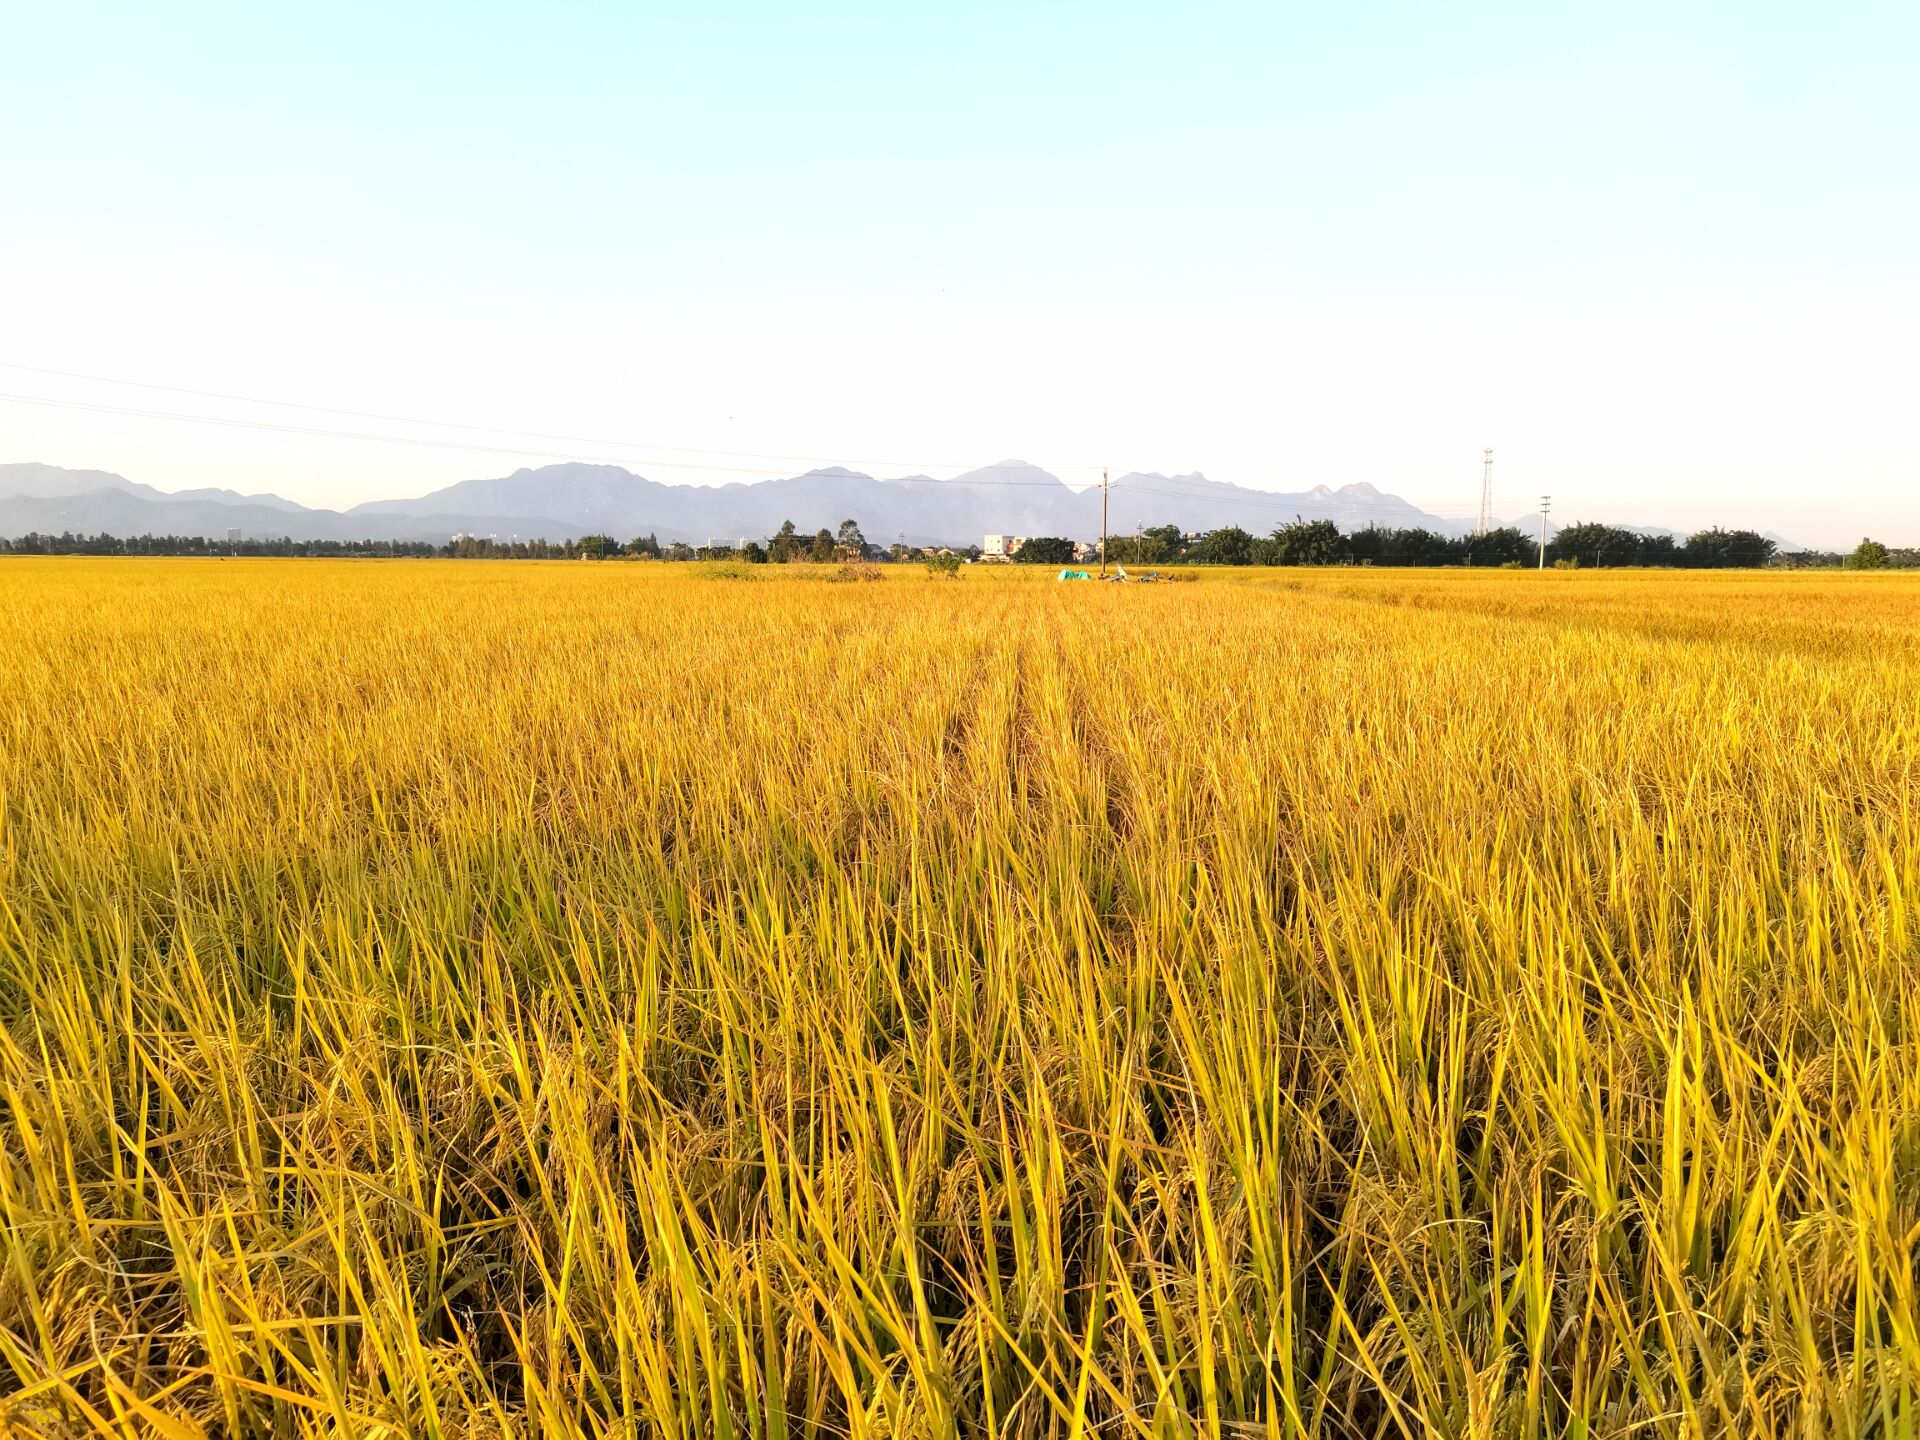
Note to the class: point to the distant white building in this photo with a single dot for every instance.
(1001, 547)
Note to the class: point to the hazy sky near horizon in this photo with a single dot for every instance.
(1663, 258)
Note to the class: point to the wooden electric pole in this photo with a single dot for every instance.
(1103, 524)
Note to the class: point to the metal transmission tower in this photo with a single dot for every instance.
(1486, 494)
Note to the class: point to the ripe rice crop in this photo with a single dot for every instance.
(614, 999)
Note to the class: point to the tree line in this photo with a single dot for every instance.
(1321, 542)
(70, 542)
(788, 544)
(1303, 542)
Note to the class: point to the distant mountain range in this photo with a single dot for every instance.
(557, 502)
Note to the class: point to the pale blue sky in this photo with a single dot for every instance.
(1662, 258)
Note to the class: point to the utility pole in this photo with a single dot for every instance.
(1104, 487)
(1546, 504)
(1486, 493)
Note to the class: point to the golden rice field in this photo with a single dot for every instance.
(470, 999)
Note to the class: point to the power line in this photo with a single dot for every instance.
(1361, 507)
(420, 441)
(1204, 491)
(1209, 490)
(634, 445)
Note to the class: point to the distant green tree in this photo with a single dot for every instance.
(1869, 555)
(1718, 549)
(944, 565)
(1229, 545)
(849, 538)
(679, 550)
(786, 545)
(1593, 544)
(1307, 542)
(754, 553)
(1155, 545)
(1658, 550)
(598, 547)
(1169, 544)
(821, 550)
(1045, 550)
(1504, 546)
(646, 548)
(1414, 545)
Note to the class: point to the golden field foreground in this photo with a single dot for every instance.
(473, 998)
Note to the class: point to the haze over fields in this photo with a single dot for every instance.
(560, 501)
